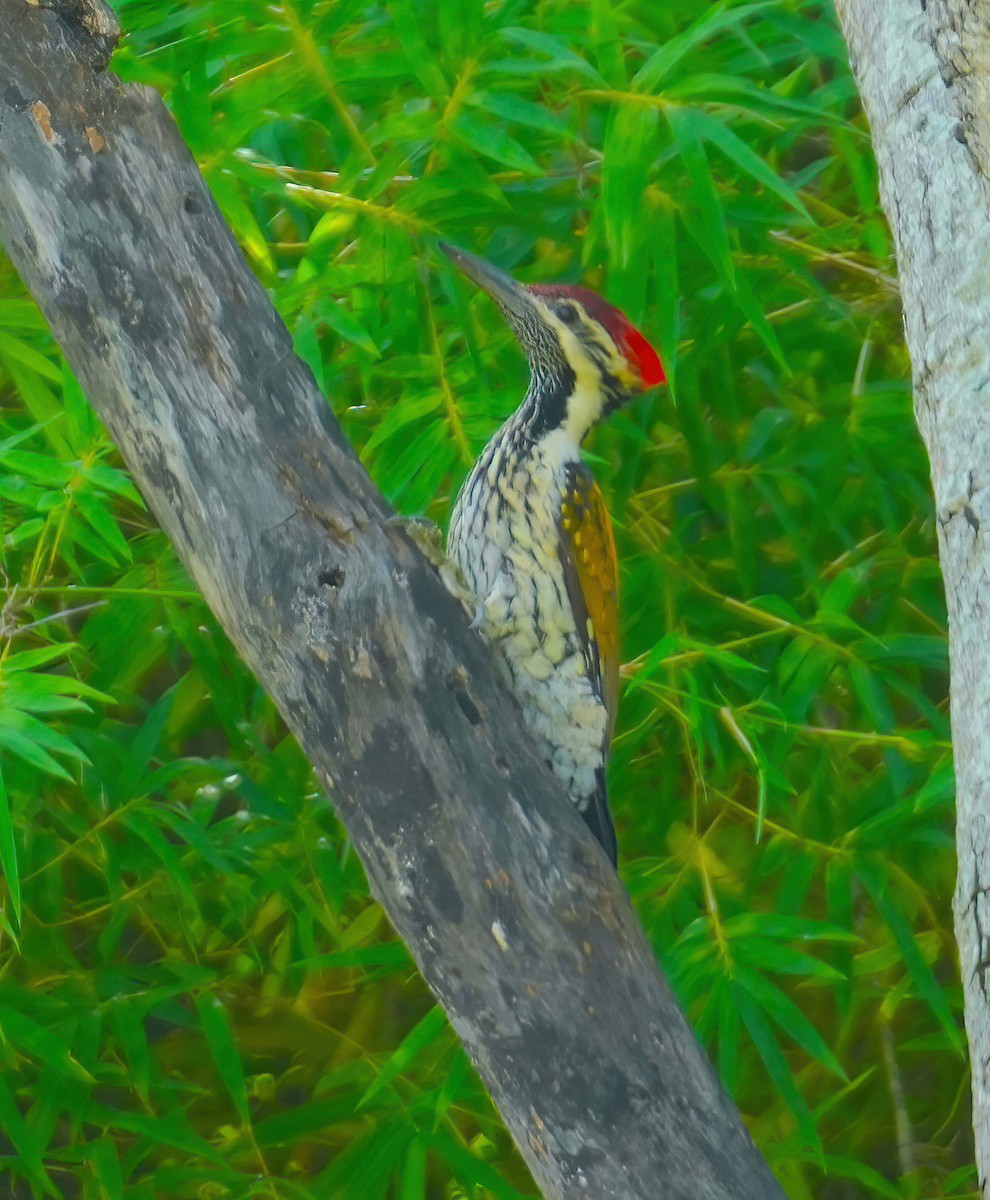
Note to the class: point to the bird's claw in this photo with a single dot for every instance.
(426, 535)
(429, 541)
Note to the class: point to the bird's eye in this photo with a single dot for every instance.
(568, 313)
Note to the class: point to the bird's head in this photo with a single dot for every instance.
(585, 356)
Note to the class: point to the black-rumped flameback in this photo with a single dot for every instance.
(531, 533)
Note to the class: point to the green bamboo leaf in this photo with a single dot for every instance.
(24, 660)
(456, 1082)
(20, 436)
(765, 424)
(368, 1164)
(103, 523)
(963, 1177)
(848, 1168)
(813, 36)
(776, 1064)
(762, 103)
(607, 41)
(41, 733)
(24, 1140)
(38, 466)
(667, 290)
(241, 219)
(923, 649)
(491, 140)
(631, 146)
(938, 789)
(341, 320)
(414, 1172)
(110, 479)
(404, 413)
(81, 535)
(130, 1033)
(424, 457)
(45, 703)
(735, 148)
(28, 750)
(137, 761)
(803, 669)
(24, 532)
(509, 107)
(160, 847)
(767, 955)
(758, 319)
(670, 643)
(81, 422)
(170, 1130)
(388, 954)
(223, 1047)
(408, 25)
(362, 926)
(469, 1169)
(554, 54)
(8, 852)
(19, 491)
(783, 925)
(21, 314)
(715, 18)
(422, 1035)
(102, 1157)
(185, 829)
(311, 1117)
(20, 351)
(704, 195)
(729, 1027)
(874, 880)
(25, 1035)
(34, 684)
(788, 1016)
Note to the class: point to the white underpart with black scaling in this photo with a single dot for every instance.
(504, 535)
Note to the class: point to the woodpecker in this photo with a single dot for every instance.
(531, 534)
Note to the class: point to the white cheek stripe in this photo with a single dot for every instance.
(585, 404)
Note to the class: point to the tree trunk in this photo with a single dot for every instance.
(924, 74)
(513, 914)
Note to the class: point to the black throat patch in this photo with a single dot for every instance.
(545, 407)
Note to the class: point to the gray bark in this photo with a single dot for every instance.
(514, 916)
(924, 74)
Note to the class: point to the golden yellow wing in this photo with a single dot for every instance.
(587, 552)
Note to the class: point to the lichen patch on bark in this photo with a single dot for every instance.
(43, 119)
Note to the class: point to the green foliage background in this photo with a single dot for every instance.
(197, 996)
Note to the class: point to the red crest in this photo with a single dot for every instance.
(623, 332)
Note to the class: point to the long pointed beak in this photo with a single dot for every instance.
(511, 297)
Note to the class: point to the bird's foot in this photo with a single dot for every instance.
(429, 541)
(426, 535)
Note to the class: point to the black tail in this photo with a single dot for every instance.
(599, 820)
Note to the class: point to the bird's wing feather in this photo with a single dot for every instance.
(587, 553)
